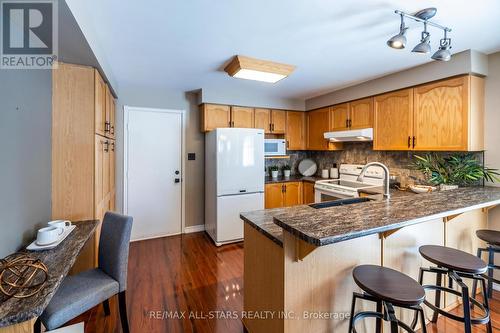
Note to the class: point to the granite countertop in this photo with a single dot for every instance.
(292, 178)
(331, 225)
(58, 261)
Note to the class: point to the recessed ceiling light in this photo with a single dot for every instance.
(259, 70)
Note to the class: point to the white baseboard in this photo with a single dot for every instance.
(496, 287)
(194, 228)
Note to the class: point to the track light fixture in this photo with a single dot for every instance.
(399, 41)
(425, 42)
(443, 53)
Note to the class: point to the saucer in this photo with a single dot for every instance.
(35, 247)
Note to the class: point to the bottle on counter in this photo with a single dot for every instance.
(334, 172)
(324, 173)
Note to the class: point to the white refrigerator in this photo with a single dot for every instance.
(234, 180)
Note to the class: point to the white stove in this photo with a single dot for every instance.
(347, 185)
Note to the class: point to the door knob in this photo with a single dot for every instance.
(176, 172)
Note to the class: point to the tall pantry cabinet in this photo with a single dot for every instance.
(83, 150)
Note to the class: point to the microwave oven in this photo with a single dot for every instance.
(274, 147)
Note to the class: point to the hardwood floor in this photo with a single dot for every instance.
(189, 274)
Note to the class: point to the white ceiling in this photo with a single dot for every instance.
(183, 44)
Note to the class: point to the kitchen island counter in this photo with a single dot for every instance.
(335, 224)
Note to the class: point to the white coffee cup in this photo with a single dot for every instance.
(60, 224)
(48, 235)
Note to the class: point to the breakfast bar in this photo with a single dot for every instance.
(299, 260)
(19, 314)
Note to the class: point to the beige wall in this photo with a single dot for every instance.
(195, 143)
(461, 63)
(492, 125)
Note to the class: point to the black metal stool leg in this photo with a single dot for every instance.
(466, 307)
(491, 262)
(378, 321)
(353, 307)
(422, 318)
(489, 328)
(474, 284)
(437, 298)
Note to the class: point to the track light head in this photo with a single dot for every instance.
(443, 53)
(399, 41)
(424, 46)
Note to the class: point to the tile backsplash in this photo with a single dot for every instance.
(399, 162)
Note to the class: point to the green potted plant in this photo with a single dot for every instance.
(455, 170)
(286, 170)
(273, 169)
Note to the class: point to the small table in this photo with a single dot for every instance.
(19, 314)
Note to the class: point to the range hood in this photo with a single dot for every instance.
(365, 134)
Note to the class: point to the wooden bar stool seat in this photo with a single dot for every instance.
(456, 265)
(387, 288)
(453, 259)
(491, 237)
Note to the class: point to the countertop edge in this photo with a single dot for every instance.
(262, 231)
(345, 237)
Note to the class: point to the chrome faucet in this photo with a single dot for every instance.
(386, 176)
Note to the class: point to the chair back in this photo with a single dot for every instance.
(114, 246)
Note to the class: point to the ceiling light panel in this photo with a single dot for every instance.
(259, 70)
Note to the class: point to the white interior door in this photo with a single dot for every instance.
(153, 172)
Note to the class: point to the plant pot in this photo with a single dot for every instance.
(274, 174)
(446, 187)
(286, 173)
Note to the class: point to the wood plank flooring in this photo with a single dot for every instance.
(188, 273)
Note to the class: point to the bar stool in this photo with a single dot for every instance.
(387, 288)
(456, 264)
(492, 238)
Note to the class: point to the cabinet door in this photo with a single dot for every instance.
(110, 113)
(263, 119)
(98, 169)
(242, 117)
(361, 113)
(106, 169)
(308, 192)
(293, 194)
(274, 195)
(318, 124)
(296, 130)
(112, 162)
(340, 117)
(278, 119)
(100, 104)
(215, 116)
(441, 110)
(393, 113)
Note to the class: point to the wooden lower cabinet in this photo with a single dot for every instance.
(308, 193)
(283, 194)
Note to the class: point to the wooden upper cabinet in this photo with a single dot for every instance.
(242, 117)
(292, 195)
(273, 195)
(263, 119)
(318, 122)
(441, 115)
(296, 130)
(278, 120)
(393, 115)
(361, 113)
(214, 116)
(100, 104)
(109, 125)
(339, 117)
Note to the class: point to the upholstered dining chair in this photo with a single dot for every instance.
(81, 292)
